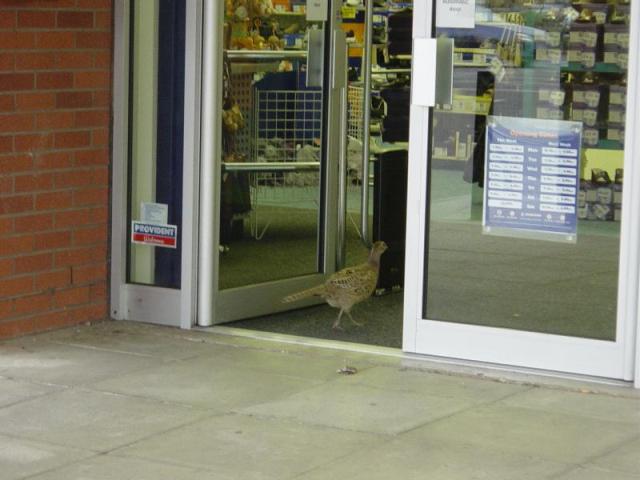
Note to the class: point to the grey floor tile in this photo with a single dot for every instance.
(206, 382)
(20, 457)
(554, 436)
(136, 338)
(602, 406)
(14, 391)
(457, 387)
(110, 467)
(243, 447)
(361, 408)
(92, 420)
(436, 460)
(594, 473)
(34, 358)
(625, 458)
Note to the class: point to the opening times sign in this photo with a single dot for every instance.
(532, 175)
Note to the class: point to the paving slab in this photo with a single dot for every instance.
(20, 457)
(14, 391)
(242, 447)
(593, 473)
(207, 382)
(110, 467)
(92, 420)
(351, 406)
(625, 458)
(436, 460)
(35, 358)
(555, 436)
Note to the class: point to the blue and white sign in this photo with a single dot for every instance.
(532, 172)
(154, 234)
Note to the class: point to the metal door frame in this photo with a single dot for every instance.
(174, 307)
(417, 331)
(216, 306)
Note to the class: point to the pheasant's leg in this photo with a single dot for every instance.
(336, 324)
(349, 313)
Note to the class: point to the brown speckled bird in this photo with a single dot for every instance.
(347, 287)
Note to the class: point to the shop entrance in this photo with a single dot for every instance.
(524, 236)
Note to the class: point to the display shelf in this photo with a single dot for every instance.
(574, 67)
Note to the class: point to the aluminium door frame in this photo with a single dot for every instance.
(627, 325)
(215, 306)
(146, 303)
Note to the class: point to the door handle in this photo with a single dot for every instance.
(432, 55)
(315, 57)
(339, 84)
(444, 71)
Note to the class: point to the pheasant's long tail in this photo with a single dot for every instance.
(310, 292)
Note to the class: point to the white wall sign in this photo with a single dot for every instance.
(317, 10)
(154, 212)
(455, 13)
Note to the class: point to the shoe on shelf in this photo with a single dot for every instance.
(600, 177)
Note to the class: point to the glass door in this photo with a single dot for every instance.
(272, 182)
(524, 231)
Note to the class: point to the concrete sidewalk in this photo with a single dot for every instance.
(119, 400)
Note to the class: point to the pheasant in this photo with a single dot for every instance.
(348, 286)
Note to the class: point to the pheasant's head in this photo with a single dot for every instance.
(377, 250)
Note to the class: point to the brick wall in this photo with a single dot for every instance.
(55, 87)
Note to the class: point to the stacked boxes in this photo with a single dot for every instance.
(586, 109)
(616, 112)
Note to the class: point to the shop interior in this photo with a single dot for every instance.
(558, 61)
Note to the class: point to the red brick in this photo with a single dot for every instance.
(102, 98)
(52, 240)
(6, 310)
(100, 214)
(73, 218)
(100, 136)
(72, 60)
(33, 142)
(34, 61)
(16, 81)
(54, 80)
(6, 144)
(53, 279)
(103, 60)
(79, 256)
(36, 19)
(103, 4)
(6, 186)
(93, 40)
(74, 100)
(6, 267)
(17, 40)
(98, 292)
(72, 139)
(34, 263)
(54, 160)
(91, 236)
(16, 245)
(74, 178)
(7, 62)
(71, 296)
(16, 327)
(32, 303)
(16, 204)
(16, 122)
(35, 101)
(92, 118)
(59, 319)
(33, 223)
(12, 287)
(33, 183)
(54, 120)
(91, 157)
(6, 227)
(75, 19)
(7, 103)
(15, 163)
(91, 196)
(92, 79)
(89, 273)
(7, 19)
(55, 40)
(54, 200)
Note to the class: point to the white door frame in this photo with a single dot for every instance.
(619, 359)
(165, 306)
